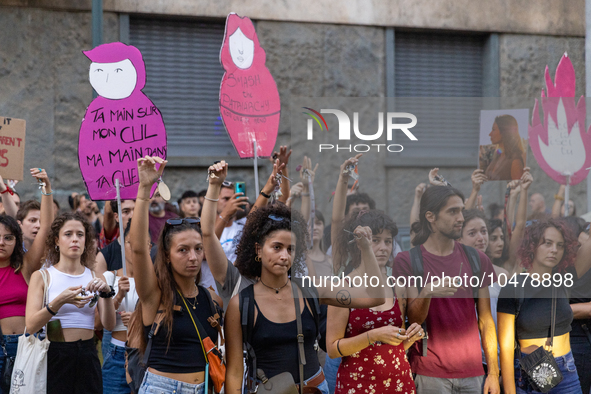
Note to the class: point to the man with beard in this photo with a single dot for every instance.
(158, 216)
(453, 360)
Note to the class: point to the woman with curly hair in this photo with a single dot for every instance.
(548, 248)
(17, 266)
(72, 362)
(272, 245)
(169, 293)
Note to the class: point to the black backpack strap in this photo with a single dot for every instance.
(312, 299)
(474, 260)
(153, 331)
(246, 307)
(416, 263)
(520, 298)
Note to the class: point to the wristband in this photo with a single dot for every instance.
(557, 197)
(50, 311)
(110, 294)
(8, 190)
(262, 193)
(47, 194)
(211, 199)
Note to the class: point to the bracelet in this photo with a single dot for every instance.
(339, 349)
(368, 340)
(557, 197)
(110, 294)
(8, 190)
(262, 193)
(47, 194)
(50, 311)
(211, 199)
(493, 374)
(221, 217)
(142, 199)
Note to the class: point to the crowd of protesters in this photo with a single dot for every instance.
(217, 266)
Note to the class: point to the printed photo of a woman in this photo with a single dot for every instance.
(504, 159)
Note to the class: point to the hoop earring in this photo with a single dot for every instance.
(258, 259)
(57, 249)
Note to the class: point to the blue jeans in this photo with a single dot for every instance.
(11, 344)
(322, 386)
(156, 384)
(570, 382)
(114, 371)
(331, 367)
(105, 343)
(581, 348)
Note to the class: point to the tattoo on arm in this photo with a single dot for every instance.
(344, 297)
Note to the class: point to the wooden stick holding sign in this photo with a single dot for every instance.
(566, 196)
(12, 148)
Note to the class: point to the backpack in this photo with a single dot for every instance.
(246, 308)
(136, 362)
(416, 262)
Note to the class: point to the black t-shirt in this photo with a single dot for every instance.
(580, 293)
(534, 318)
(112, 254)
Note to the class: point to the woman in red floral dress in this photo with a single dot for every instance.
(372, 342)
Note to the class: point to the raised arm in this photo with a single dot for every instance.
(416, 204)
(558, 200)
(366, 296)
(307, 169)
(10, 208)
(32, 260)
(520, 219)
(143, 270)
(283, 157)
(338, 206)
(216, 258)
(478, 178)
(269, 186)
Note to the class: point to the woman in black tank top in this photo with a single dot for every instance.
(168, 291)
(273, 238)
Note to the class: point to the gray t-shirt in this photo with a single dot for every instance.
(226, 289)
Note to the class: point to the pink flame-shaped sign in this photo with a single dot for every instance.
(560, 144)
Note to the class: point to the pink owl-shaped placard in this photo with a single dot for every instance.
(560, 144)
(121, 125)
(249, 101)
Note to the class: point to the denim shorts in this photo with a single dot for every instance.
(114, 381)
(570, 379)
(156, 384)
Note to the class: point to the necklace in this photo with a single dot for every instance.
(194, 303)
(275, 288)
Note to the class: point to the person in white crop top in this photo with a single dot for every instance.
(125, 300)
(72, 365)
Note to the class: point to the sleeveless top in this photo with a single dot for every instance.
(13, 297)
(378, 368)
(132, 298)
(69, 315)
(276, 345)
(183, 354)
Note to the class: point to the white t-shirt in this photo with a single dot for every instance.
(132, 298)
(230, 238)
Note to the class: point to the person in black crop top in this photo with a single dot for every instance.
(548, 248)
(176, 360)
(272, 238)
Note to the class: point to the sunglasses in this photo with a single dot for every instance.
(179, 221)
(281, 218)
(530, 222)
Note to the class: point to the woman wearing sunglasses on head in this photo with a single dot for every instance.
(16, 266)
(273, 243)
(72, 292)
(169, 293)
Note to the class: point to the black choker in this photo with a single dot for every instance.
(275, 288)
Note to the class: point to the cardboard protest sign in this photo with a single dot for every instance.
(120, 126)
(560, 144)
(249, 100)
(12, 148)
(503, 143)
